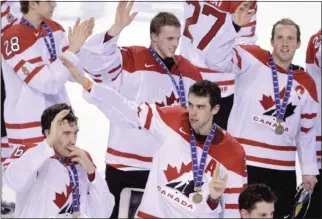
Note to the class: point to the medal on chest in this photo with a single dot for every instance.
(198, 170)
(281, 108)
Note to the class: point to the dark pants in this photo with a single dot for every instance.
(3, 96)
(283, 183)
(118, 180)
(316, 200)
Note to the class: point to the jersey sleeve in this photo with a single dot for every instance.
(20, 170)
(110, 60)
(313, 51)
(22, 56)
(224, 55)
(120, 110)
(306, 135)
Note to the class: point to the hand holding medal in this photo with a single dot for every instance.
(217, 185)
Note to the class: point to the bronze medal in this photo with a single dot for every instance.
(279, 129)
(197, 198)
(76, 214)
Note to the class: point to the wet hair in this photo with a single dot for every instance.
(255, 193)
(287, 21)
(205, 88)
(50, 113)
(163, 19)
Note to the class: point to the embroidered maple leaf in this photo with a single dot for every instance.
(288, 112)
(169, 101)
(268, 102)
(172, 173)
(61, 198)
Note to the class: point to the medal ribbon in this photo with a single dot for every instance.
(198, 171)
(74, 181)
(51, 47)
(180, 88)
(280, 110)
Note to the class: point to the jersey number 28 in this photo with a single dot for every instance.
(12, 45)
(206, 10)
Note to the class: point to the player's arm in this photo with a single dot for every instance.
(305, 139)
(20, 170)
(313, 52)
(110, 60)
(222, 54)
(115, 107)
(21, 55)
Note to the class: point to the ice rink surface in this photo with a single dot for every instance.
(94, 127)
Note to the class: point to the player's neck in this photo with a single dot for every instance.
(204, 130)
(156, 49)
(283, 64)
(34, 19)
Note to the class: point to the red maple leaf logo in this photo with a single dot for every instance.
(268, 102)
(172, 172)
(169, 100)
(61, 198)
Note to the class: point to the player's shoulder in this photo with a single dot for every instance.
(172, 111)
(306, 80)
(136, 50)
(54, 26)
(187, 68)
(19, 30)
(234, 146)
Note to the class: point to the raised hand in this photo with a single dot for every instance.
(79, 34)
(217, 185)
(55, 128)
(79, 156)
(243, 14)
(122, 17)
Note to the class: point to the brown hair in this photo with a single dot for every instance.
(287, 21)
(163, 19)
(24, 6)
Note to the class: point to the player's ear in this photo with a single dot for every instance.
(33, 4)
(47, 132)
(243, 213)
(154, 37)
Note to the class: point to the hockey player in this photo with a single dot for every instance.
(257, 201)
(313, 67)
(55, 178)
(178, 186)
(203, 19)
(278, 102)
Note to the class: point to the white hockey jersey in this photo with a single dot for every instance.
(32, 81)
(313, 67)
(253, 118)
(203, 19)
(169, 189)
(10, 15)
(43, 188)
(135, 74)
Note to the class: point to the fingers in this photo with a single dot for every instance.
(216, 173)
(129, 7)
(133, 15)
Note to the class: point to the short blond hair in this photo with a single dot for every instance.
(163, 19)
(287, 21)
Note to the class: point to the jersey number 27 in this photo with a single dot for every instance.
(208, 11)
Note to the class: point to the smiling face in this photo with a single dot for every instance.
(166, 42)
(285, 43)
